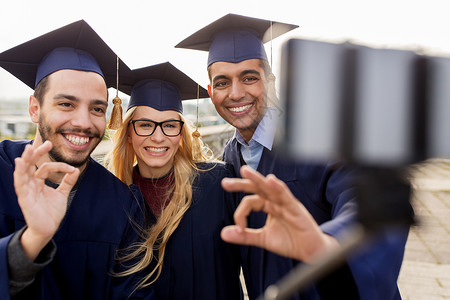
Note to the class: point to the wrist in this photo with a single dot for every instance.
(323, 245)
(33, 243)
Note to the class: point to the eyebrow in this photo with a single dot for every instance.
(243, 73)
(250, 71)
(146, 119)
(65, 96)
(219, 77)
(75, 99)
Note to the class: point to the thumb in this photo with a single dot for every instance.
(236, 235)
(68, 182)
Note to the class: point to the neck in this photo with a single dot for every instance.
(247, 134)
(153, 173)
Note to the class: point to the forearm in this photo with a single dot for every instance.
(22, 270)
(32, 244)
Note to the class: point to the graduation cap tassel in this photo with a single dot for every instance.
(271, 91)
(271, 38)
(196, 147)
(116, 115)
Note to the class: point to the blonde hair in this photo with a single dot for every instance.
(121, 161)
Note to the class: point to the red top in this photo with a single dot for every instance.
(154, 190)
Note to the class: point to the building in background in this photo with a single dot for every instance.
(15, 123)
(16, 127)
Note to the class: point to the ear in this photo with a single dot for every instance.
(210, 93)
(33, 109)
(128, 136)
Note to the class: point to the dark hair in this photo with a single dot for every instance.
(41, 89)
(264, 64)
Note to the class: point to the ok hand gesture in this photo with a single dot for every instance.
(43, 207)
(290, 230)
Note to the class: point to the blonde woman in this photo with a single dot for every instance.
(155, 149)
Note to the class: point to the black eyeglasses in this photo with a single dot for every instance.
(144, 127)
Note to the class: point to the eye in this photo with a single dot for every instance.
(250, 79)
(65, 104)
(99, 110)
(144, 124)
(220, 84)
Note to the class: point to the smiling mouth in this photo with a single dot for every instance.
(77, 140)
(240, 108)
(156, 150)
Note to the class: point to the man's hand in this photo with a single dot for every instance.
(43, 207)
(290, 230)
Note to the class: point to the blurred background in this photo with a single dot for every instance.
(144, 33)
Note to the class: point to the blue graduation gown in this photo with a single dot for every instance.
(96, 224)
(325, 190)
(198, 264)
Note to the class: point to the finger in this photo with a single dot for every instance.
(40, 151)
(32, 155)
(69, 181)
(248, 172)
(19, 169)
(20, 176)
(253, 182)
(255, 203)
(27, 153)
(232, 234)
(238, 185)
(278, 192)
(23, 172)
(52, 167)
(247, 205)
(28, 166)
(43, 149)
(269, 187)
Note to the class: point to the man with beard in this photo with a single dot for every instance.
(242, 89)
(59, 240)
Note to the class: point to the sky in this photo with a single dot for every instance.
(144, 33)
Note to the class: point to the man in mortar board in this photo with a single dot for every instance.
(59, 240)
(242, 91)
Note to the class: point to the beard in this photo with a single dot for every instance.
(57, 151)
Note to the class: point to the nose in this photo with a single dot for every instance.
(82, 119)
(158, 135)
(237, 91)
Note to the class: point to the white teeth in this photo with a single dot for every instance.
(240, 108)
(76, 140)
(151, 149)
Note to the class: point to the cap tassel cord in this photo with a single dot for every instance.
(116, 115)
(271, 38)
(271, 91)
(196, 147)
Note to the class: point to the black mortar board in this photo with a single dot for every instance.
(75, 46)
(234, 38)
(162, 87)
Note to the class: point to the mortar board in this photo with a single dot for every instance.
(234, 38)
(161, 87)
(75, 46)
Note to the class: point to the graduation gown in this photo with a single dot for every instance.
(96, 224)
(198, 264)
(325, 190)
